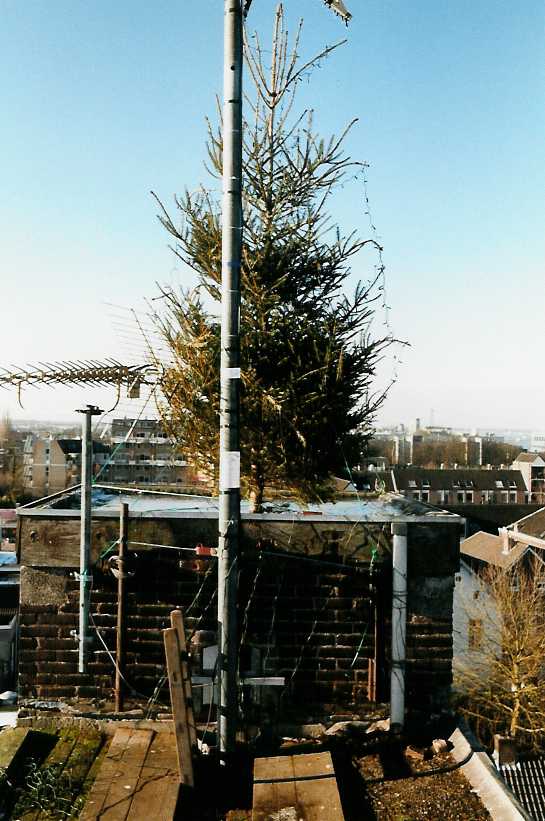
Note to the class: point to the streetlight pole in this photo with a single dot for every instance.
(229, 463)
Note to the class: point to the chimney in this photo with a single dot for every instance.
(417, 423)
(505, 751)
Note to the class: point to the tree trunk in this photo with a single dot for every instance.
(257, 490)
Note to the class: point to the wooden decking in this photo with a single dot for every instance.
(296, 787)
(138, 779)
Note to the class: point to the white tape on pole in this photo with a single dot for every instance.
(230, 373)
(230, 470)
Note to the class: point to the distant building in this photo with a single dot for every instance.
(476, 622)
(8, 527)
(473, 450)
(537, 442)
(532, 468)
(452, 487)
(143, 454)
(51, 465)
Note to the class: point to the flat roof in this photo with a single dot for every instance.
(106, 500)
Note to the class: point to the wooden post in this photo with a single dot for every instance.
(179, 706)
(177, 621)
(121, 601)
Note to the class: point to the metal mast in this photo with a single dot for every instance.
(229, 463)
(85, 538)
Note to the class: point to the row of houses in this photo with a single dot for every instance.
(522, 483)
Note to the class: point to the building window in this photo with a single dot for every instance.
(513, 498)
(460, 498)
(469, 497)
(425, 496)
(475, 634)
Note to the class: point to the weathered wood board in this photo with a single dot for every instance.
(296, 787)
(138, 779)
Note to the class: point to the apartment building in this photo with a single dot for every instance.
(143, 454)
(51, 465)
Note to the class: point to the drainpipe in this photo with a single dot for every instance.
(399, 627)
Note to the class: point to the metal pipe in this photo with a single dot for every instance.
(229, 462)
(85, 531)
(121, 599)
(399, 627)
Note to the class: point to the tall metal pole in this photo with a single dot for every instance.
(229, 472)
(121, 599)
(85, 532)
(399, 627)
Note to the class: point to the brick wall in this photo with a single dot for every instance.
(306, 622)
(314, 622)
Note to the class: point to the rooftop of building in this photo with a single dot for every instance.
(488, 548)
(419, 478)
(69, 446)
(530, 458)
(106, 500)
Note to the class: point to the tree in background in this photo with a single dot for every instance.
(502, 681)
(431, 453)
(499, 453)
(11, 469)
(307, 352)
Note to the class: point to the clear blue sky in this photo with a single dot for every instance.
(102, 102)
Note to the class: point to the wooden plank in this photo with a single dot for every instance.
(311, 793)
(120, 793)
(81, 759)
(318, 795)
(179, 707)
(278, 796)
(156, 794)
(11, 741)
(177, 621)
(107, 772)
